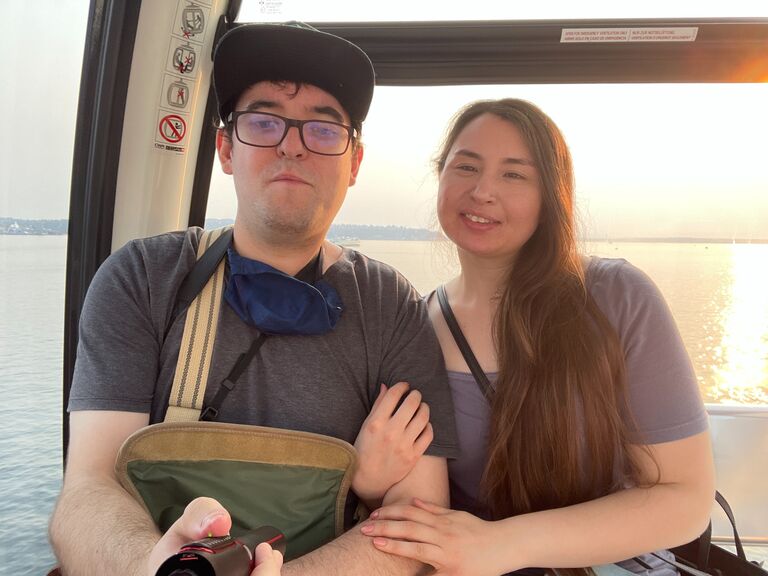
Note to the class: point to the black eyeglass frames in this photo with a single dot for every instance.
(266, 130)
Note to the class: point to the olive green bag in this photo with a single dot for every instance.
(295, 481)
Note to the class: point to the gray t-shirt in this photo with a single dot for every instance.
(663, 392)
(324, 384)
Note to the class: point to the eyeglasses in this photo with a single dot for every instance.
(266, 130)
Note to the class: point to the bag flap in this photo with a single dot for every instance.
(297, 481)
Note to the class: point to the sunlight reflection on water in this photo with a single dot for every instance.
(740, 376)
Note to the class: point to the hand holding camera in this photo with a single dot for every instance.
(228, 555)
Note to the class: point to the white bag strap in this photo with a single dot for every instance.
(191, 378)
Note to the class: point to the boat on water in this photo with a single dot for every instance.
(348, 242)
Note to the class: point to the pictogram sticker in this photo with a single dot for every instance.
(184, 59)
(177, 94)
(182, 74)
(271, 7)
(172, 128)
(193, 21)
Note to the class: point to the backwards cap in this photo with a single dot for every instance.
(294, 52)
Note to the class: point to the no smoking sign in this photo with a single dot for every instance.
(172, 128)
(171, 132)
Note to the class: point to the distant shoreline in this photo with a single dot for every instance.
(682, 240)
(352, 232)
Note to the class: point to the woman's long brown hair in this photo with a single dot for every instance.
(560, 427)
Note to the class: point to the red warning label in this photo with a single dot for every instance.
(172, 128)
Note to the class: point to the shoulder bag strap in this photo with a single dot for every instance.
(210, 252)
(203, 288)
(469, 357)
(729, 513)
(683, 568)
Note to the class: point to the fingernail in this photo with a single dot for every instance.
(374, 515)
(380, 542)
(211, 518)
(367, 529)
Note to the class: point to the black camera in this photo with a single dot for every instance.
(221, 556)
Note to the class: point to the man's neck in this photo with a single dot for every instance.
(288, 257)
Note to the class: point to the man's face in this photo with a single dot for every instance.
(287, 194)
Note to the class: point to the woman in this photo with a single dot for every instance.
(592, 445)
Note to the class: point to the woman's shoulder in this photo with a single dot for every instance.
(623, 291)
(662, 386)
(618, 279)
(614, 271)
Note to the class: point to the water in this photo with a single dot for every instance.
(31, 351)
(717, 293)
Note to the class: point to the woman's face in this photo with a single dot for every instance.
(489, 198)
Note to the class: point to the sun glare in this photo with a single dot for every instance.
(741, 378)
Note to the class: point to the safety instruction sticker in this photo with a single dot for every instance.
(182, 74)
(271, 7)
(176, 92)
(653, 34)
(172, 128)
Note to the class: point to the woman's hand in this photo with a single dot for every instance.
(390, 441)
(268, 561)
(453, 542)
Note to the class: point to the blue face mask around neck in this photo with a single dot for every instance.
(277, 303)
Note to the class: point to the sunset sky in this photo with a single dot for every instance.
(651, 160)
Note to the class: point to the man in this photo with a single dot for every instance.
(292, 100)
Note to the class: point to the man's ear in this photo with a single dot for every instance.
(224, 150)
(357, 159)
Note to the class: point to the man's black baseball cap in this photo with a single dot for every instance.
(295, 52)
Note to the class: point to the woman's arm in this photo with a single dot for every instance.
(628, 522)
(608, 529)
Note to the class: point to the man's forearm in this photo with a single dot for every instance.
(97, 529)
(352, 554)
